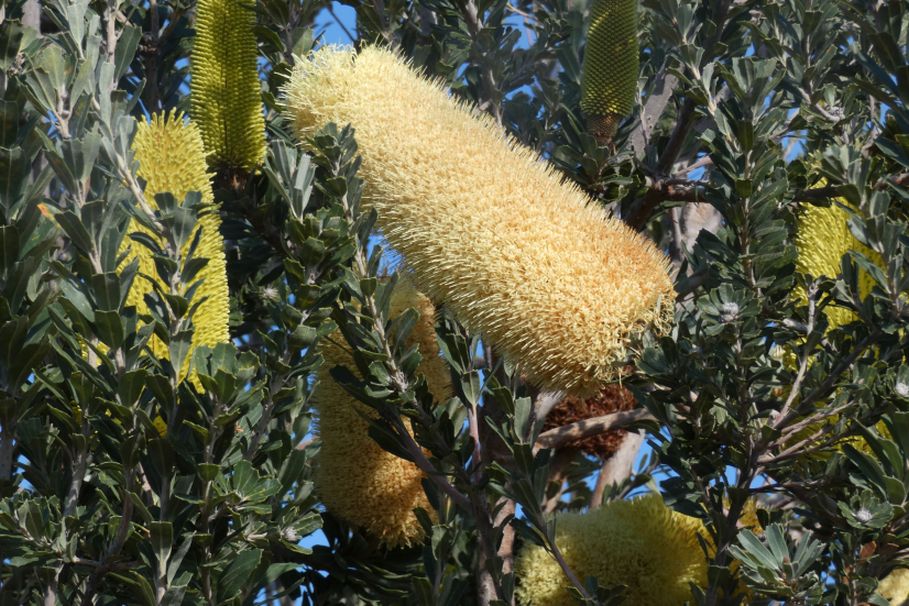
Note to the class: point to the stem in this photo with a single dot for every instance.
(7, 448)
(566, 569)
(488, 88)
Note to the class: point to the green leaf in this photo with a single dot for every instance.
(238, 575)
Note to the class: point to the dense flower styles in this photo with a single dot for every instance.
(895, 587)
(358, 480)
(822, 239)
(171, 159)
(610, 76)
(225, 97)
(640, 543)
(516, 252)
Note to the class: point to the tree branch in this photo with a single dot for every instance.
(676, 189)
(591, 427)
(641, 212)
(618, 467)
(664, 86)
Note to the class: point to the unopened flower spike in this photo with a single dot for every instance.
(171, 158)
(609, 81)
(357, 480)
(519, 254)
(226, 97)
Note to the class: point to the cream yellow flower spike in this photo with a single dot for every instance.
(357, 480)
(518, 253)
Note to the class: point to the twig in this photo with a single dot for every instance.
(331, 11)
(702, 162)
(677, 189)
(829, 383)
(557, 554)
(591, 427)
(488, 89)
(803, 363)
(398, 378)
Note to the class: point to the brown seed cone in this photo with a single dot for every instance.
(612, 398)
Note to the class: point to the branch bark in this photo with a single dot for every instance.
(618, 467)
(642, 211)
(664, 85)
(591, 427)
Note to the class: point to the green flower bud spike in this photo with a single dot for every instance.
(610, 77)
(226, 99)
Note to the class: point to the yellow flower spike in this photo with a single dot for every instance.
(609, 82)
(640, 543)
(171, 159)
(226, 96)
(895, 587)
(822, 239)
(518, 253)
(357, 480)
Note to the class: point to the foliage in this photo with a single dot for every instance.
(120, 482)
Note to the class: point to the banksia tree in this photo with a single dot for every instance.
(357, 480)
(609, 86)
(567, 290)
(226, 93)
(171, 159)
(295, 462)
(652, 550)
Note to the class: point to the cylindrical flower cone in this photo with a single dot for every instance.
(357, 480)
(171, 159)
(519, 254)
(642, 544)
(822, 239)
(226, 94)
(895, 587)
(609, 81)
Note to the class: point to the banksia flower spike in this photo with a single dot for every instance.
(226, 96)
(357, 480)
(895, 587)
(171, 159)
(822, 239)
(642, 544)
(609, 81)
(612, 398)
(519, 254)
